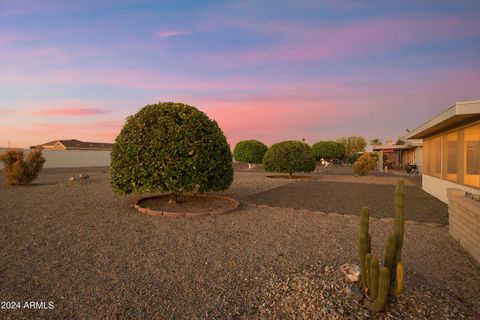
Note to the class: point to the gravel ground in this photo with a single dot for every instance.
(328, 196)
(88, 251)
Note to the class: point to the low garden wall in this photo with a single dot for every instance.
(72, 158)
(464, 221)
(438, 187)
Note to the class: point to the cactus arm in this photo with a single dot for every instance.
(373, 278)
(364, 220)
(399, 217)
(364, 241)
(368, 259)
(384, 281)
(399, 288)
(390, 251)
(363, 251)
(400, 197)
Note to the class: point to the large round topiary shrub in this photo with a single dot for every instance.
(328, 150)
(249, 151)
(172, 148)
(289, 157)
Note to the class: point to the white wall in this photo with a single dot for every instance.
(72, 158)
(419, 158)
(438, 187)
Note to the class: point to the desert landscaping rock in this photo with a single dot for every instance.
(317, 292)
(92, 254)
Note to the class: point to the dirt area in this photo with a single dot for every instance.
(292, 177)
(349, 198)
(187, 204)
(94, 256)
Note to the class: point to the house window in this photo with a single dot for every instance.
(426, 156)
(472, 156)
(451, 154)
(436, 157)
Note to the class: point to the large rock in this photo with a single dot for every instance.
(351, 271)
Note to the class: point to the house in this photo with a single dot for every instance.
(74, 144)
(400, 154)
(451, 150)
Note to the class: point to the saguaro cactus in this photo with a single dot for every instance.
(376, 284)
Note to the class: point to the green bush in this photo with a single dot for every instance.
(170, 147)
(328, 150)
(289, 157)
(364, 164)
(18, 170)
(249, 151)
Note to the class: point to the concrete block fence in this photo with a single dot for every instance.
(72, 158)
(464, 221)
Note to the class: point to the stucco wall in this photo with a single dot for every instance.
(438, 187)
(72, 158)
(464, 221)
(419, 158)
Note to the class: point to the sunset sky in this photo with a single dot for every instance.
(266, 70)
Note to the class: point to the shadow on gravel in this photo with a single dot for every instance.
(351, 197)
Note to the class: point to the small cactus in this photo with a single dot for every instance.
(377, 284)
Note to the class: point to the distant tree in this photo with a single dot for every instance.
(328, 150)
(249, 151)
(353, 145)
(376, 142)
(289, 157)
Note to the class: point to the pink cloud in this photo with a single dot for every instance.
(6, 112)
(121, 77)
(171, 33)
(273, 118)
(304, 42)
(70, 112)
(28, 134)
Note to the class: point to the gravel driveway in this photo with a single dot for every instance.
(90, 253)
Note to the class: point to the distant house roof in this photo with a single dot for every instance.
(393, 147)
(457, 114)
(401, 144)
(402, 140)
(74, 144)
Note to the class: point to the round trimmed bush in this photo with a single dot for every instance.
(289, 157)
(170, 147)
(249, 151)
(328, 150)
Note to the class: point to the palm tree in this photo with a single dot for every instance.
(376, 142)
